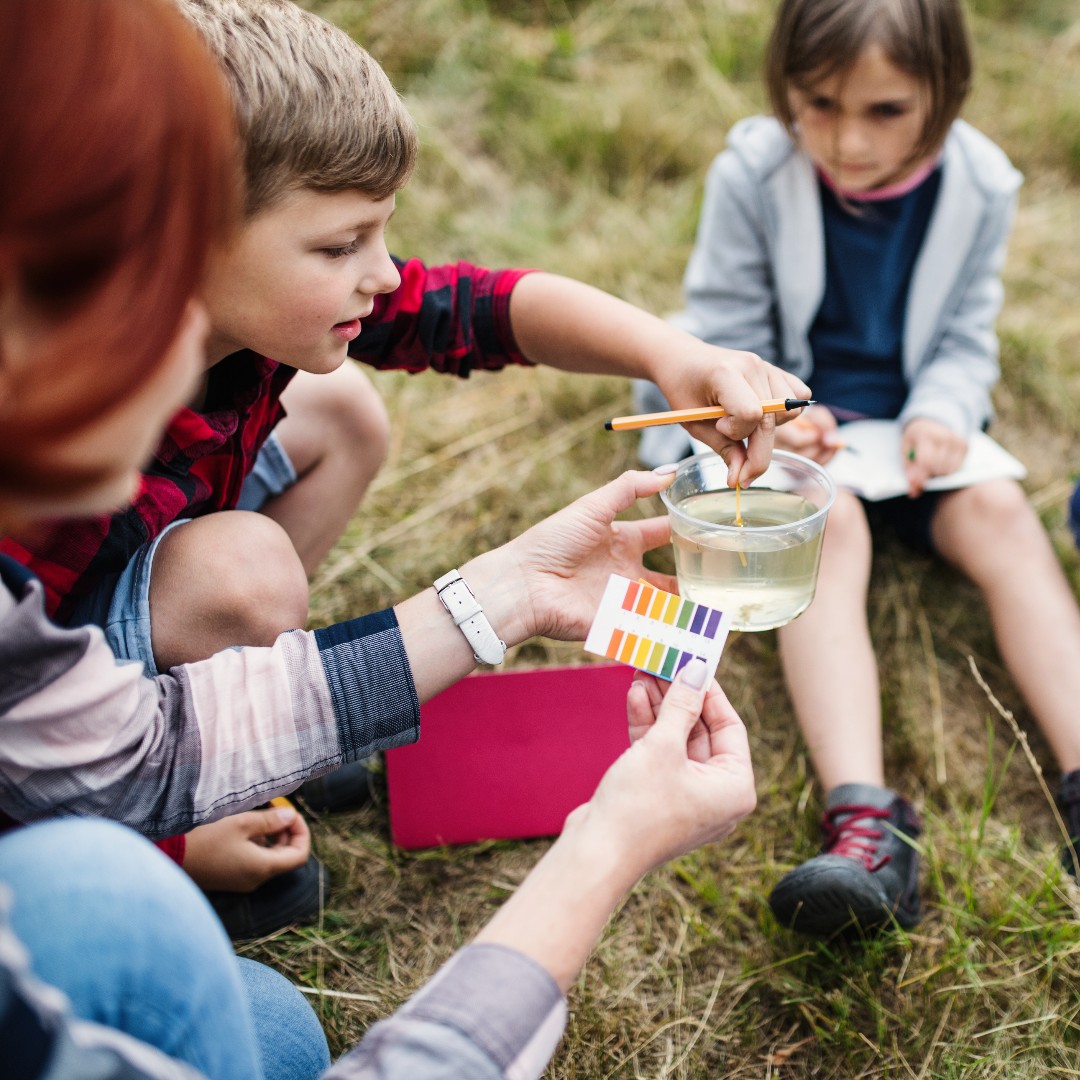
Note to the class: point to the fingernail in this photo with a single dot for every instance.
(284, 815)
(666, 470)
(694, 673)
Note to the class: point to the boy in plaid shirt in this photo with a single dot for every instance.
(284, 426)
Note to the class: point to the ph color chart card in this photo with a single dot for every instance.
(655, 631)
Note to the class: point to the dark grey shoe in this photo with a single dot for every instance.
(867, 874)
(347, 788)
(1068, 801)
(290, 899)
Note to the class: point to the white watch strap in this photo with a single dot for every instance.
(469, 617)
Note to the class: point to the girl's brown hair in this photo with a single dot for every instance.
(118, 172)
(926, 39)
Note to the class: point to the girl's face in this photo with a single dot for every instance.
(860, 126)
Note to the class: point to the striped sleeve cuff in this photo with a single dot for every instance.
(371, 684)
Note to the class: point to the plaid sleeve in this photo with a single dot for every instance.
(454, 319)
(81, 733)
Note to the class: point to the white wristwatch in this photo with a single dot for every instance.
(469, 617)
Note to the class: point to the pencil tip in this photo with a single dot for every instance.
(607, 425)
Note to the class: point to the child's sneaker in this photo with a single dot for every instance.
(867, 873)
(1069, 804)
(347, 788)
(294, 898)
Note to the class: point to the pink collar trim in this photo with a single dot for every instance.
(892, 191)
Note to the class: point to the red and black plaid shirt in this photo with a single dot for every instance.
(453, 319)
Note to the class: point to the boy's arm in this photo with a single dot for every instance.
(569, 325)
(459, 318)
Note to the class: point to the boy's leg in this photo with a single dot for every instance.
(990, 532)
(335, 436)
(226, 579)
(336, 433)
(828, 658)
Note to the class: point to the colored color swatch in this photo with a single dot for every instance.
(655, 631)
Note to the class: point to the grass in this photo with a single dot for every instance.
(574, 135)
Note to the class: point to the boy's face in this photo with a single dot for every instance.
(300, 275)
(861, 126)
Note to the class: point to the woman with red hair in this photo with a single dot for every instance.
(117, 177)
(116, 180)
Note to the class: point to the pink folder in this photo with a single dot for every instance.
(507, 754)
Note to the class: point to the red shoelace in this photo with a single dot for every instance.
(852, 839)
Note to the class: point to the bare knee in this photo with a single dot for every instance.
(231, 578)
(847, 529)
(982, 528)
(997, 510)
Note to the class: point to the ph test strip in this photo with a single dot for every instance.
(655, 631)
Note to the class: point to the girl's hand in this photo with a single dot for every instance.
(930, 449)
(813, 434)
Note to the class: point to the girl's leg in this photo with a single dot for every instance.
(990, 532)
(829, 661)
(115, 925)
(867, 872)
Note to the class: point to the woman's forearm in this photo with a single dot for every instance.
(558, 913)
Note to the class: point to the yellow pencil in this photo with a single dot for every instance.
(706, 412)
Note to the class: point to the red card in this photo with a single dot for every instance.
(507, 754)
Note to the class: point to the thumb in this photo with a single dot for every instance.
(681, 707)
(269, 822)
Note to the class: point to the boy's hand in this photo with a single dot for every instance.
(739, 381)
(686, 780)
(814, 434)
(930, 449)
(242, 852)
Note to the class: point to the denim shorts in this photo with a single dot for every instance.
(120, 605)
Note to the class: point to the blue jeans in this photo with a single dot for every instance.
(133, 944)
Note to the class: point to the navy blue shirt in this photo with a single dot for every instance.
(857, 335)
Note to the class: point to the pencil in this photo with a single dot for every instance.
(706, 412)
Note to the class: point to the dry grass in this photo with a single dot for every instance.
(574, 135)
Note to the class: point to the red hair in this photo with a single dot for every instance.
(118, 172)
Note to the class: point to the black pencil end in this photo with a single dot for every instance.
(607, 426)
